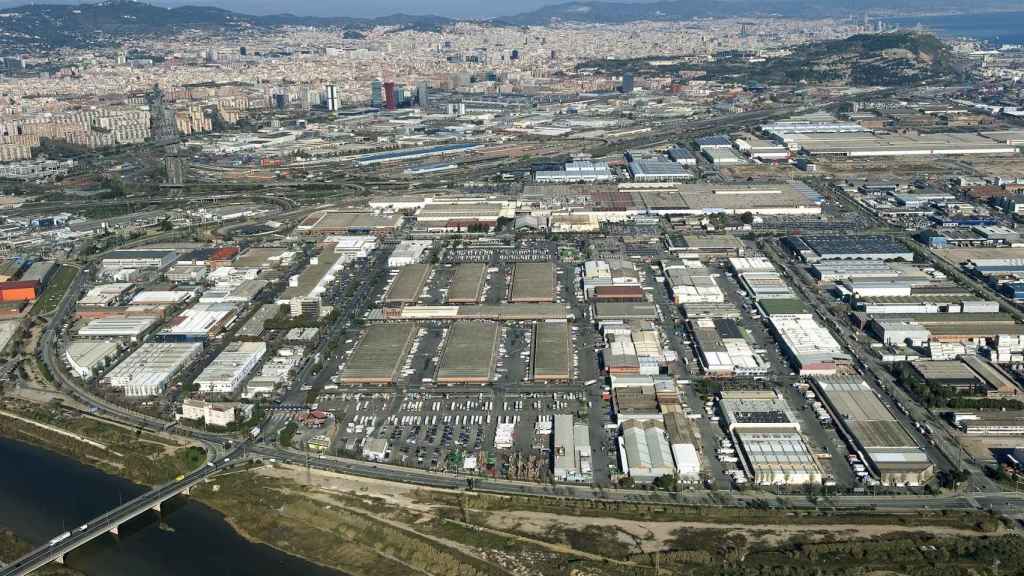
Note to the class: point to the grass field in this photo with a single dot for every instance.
(55, 290)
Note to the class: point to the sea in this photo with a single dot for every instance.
(996, 28)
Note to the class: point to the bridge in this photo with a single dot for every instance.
(56, 549)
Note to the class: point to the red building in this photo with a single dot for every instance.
(390, 96)
(19, 290)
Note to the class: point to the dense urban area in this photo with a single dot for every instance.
(712, 296)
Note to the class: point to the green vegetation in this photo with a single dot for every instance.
(287, 434)
(933, 395)
(892, 59)
(55, 290)
(138, 456)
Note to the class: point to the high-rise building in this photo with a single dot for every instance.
(122, 57)
(515, 54)
(211, 55)
(376, 94)
(627, 83)
(422, 94)
(242, 51)
(390, 97)
(331, 97)
(280, 101)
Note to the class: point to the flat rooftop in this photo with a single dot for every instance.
(378, 357)
(551, 351)
(469, 352)
(533, 282)
(407, 286)
(467, 284)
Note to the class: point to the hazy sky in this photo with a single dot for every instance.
(454, 8)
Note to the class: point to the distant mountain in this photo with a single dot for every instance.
(105, 23)
(891, 59)
(673, 10)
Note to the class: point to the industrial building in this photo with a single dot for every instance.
(476, 211)
(657, 170)
(408, 252)
(758, 198)
(415, 153)
(19, 290)
(331, 222)
(132, 328)
(139, 259)
(723, 351)
(759, 149)
(406, 287)
(533, 282)
(625, 311)
(227, 371)
(765, 285)
(552, 359)
(198, 322)
(499, 312)
(468, 283)
(576, 171)
(86, 357)
(40, 272)
(871, 144)
(644, 451)
(570, 453)
(105, 295)
(148, 370)
(873, 432)
(844, 247)
(990, 422)
(220, 414)
(378, 356)
(690, 285)
(469, 353)
(809, 346)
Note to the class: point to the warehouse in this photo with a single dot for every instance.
(19, 290)
(500, 312)
(469, 353)
(644, 451)
(314, 278)
(169, 297)
(570, 452)
(751, 264)
(140, 259)
(722, 156)
(693, 286)
(762, 149)
(778, 458)
(105, 295)
(481, 212)
(838, 247)
(468, 283)
(682, 156)
(952, 374)
(86, 357)
(657, 170)
(868, 144)
(576, 171)
(833, 271)
(378, 356)
(717, 141)
(990, 423)
(199, 322)
(227, 371)
(406, 287)
(618, 294)
(625, 311)
(148, 370)
(533, 282)
(330, 222)
(810, 347)
(873, 432)
(704, 198)
(552, 360)
(765, 285)
(684, 451)
(133, 327)
(408, 252)
(39, 272)
(784, 308)
(899, 331)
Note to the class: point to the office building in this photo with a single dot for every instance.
(422, 94)
(376, 94)
(627, 83)
(390, 96)
(331, 97)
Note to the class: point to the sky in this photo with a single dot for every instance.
(362, 8)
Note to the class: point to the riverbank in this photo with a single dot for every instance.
(141, 457)
(366, 527)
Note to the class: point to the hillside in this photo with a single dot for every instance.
(40, 26)
(891, 59)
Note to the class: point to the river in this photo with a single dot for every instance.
(43, 494)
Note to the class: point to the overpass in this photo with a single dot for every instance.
(57, 548)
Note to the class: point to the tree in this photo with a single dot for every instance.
(166, 225)
(747, 218)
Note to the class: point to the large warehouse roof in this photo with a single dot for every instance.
(379, 355)
(469, 352)
(551, 357)
(533, 282)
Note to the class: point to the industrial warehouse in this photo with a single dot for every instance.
(533, 282)
(378, 357)
(407, 285)
(552, 360)
(469, 353)
(467, 283)
(877, 436)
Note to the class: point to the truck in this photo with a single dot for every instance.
(60, 538)
(254, 433)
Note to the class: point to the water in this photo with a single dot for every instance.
(42, 494)
(997, 28)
